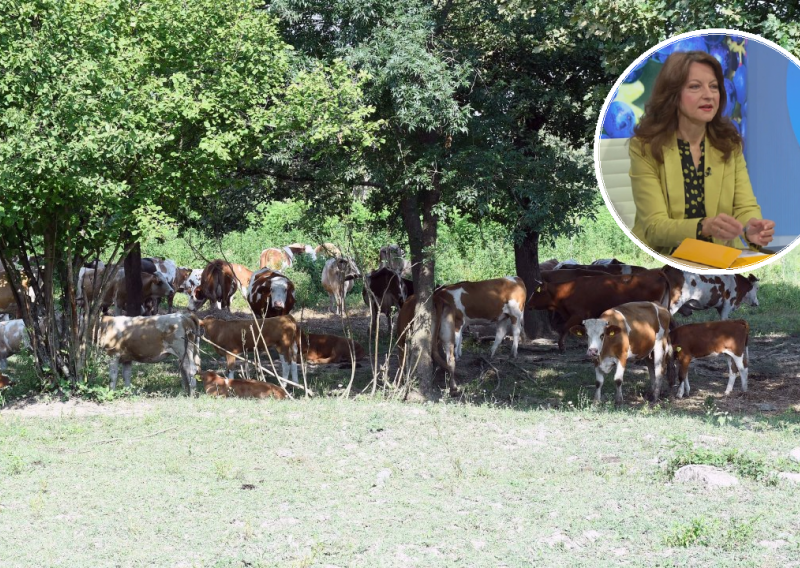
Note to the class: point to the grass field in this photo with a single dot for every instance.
(327, 482)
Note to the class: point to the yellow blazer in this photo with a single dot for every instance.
(659, 194)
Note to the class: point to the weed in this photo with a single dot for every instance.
(745, 464)
(223, 469)
(14, 464)
(697, 532)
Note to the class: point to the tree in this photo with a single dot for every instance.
(120, 116)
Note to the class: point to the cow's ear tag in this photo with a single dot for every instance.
(539, 289)
(678, 349)
(579, 333)
(611, 333)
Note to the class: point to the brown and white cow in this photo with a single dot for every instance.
(190, 287)
(323, 349)
(383, 290)
(589, 296)
(12, 339)
(8, 304)
(270, 293)
(337, 280)
(154, 287)
(499, 300)
(218, 283)
(709, 339)
(276, 259)
(6, 382)
(606, 266)
(724, 292)
(636, 330)
(328, 250)
(150, 339)
(216, 385)
(300, 248)
(176, 276)
(231, 337)
(447, 323)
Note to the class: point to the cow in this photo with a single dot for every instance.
(190, 287)
(636, 330)
(12, 339)
(218, 283)
(337, 280)
(500, 301)
(611, 268)
(324, 349)
(154, 287)
(173, 274)
(384, 289)
(328, 250)
(231, 337)
(6, 382)
(548, 264)
(270, 293)
(709, 339)
(589, 296)
(394, 257)
(567, 274)
(299, 248)
(8, 304)
(150, 339)
(724, 293)
(276, 259)
(215, 385)
(447, 321)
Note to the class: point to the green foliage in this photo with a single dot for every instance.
(743, 463)
(697, 532)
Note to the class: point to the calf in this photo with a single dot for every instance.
(337, 280)
(241, 388)
(154, 287)
(323, 349)
(270, 293)
(709, 339)
(276, 259)
(724, 293)
(12, 339)
(235, 336)
(383, 290)
(500, 301)
(589, 296)
(637, 330)
(190, 287)
(173, 274)
(447, 323)
(150, 339)
(6, 382)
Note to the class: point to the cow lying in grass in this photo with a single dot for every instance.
(241, 388)
(232, 337)
(709, 339)
(324, 349)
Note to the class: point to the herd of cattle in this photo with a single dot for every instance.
(625, 312)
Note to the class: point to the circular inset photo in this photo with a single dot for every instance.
(697, 151)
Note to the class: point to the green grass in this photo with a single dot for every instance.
(208, 482)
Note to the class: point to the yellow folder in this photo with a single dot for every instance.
(711, 254)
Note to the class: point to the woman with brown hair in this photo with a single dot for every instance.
(688, 172)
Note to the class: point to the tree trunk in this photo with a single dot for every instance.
(422, 232)
(133, 281)
(526, 258)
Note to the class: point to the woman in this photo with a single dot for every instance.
(688, 173)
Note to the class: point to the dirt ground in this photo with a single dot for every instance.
(539, 377)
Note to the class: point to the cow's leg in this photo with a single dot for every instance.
(739, 362)
(683, 388)
(502, 329)
(230, 361)
(725, 311)
(332, 299)
(516, 329)
(618, 383)
(599, 378)
(3, 364)
(285, 368)
(113, 371)
(657, 371)
(127, 369)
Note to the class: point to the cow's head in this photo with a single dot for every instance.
(6, 381)
(598, 333)
(541, 297)
(279, 291)
(347, 269)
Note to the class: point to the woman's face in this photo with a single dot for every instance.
(700, 94)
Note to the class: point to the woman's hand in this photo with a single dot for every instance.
(760, 231)
(722, 227)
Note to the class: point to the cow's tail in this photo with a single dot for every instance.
(665, 297)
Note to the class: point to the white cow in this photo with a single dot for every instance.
(337, 280)
(12, 339)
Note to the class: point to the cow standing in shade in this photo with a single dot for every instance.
(270, 293)
(337, 280)
(724, 293)
(637, 330)
(383, 290)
